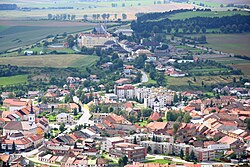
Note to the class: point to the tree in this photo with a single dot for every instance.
(104, 15)
(203, 29)
(187, 157)
(135, 141)
(181, 154)
(94, 16)
(50, 16)
(13, 147)
(146, 112)
(124, 16)
(149, 149)
(116, 15)
(187, 118)
(75, 112)
(75, 145)
(197, 29)
(176, 127)
(191, 29)
(62, 127)
(123, 161)
(85, 17)
(176, 98)
(192, 156)
(6, 148)
(71, 41)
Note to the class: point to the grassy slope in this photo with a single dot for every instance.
(13, 80)
(186, 15)
(17, 36)
(232, 43)
(57, 61)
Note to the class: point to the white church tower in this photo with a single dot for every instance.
(32, 115)
(156, 105)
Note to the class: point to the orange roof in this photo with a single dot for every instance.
(157, 125)
(227, 140)
(14, 102)
(155, 116)
(4, 157)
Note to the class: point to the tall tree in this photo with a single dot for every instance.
(181, 154)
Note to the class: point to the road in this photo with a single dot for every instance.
(144, 77)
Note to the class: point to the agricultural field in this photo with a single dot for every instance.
(56, 61)
(185, 83)
(186, 15)
(15, 34)
(130, 8)
(237, 44)
(13, 80)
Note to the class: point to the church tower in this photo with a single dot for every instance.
(156, 105)
(32, 115)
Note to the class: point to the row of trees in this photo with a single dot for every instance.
(9, 70)
(235, 28)
(191, 25)
(72, 17)
(61, 17)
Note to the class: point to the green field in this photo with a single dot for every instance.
(229, 43)
(19, 35)
(183, 83)
(185, 15)
(57, 61)
(159, 161)
(12, 80)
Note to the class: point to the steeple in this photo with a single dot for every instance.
(32, 115)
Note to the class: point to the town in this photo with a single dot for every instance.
(149, 92)
(129, 124)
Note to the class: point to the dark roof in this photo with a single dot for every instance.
(100, 29)
(109, 42)
(19, 134)
(157, 100)
(31, 109)
(151, 44)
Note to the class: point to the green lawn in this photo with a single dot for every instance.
(160, 161)
(57, 61)
(13, 80)
(143, 123)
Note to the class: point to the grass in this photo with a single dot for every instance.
(183, 83)
(229, 43)
(56, 61)
(160, 161)
(186, 15)
(17, 36)
(142, 124)
(13, 80)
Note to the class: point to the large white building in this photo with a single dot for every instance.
(64, 118)
(125, 91)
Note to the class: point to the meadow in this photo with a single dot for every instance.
(13, 80)
(237, 44)
(186, 15)
(17, 34)
(186, 83)
(81, 8)
(56, 61)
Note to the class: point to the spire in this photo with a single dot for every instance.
(31, 109)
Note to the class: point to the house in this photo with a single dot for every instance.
(64, 118)
(204, 154)
(28, 52)
(127, 32)
(25, 127)
(14, 104)
(134, 152)
(157, 127)
(110, 141)
(126, 91)
(232, 142)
